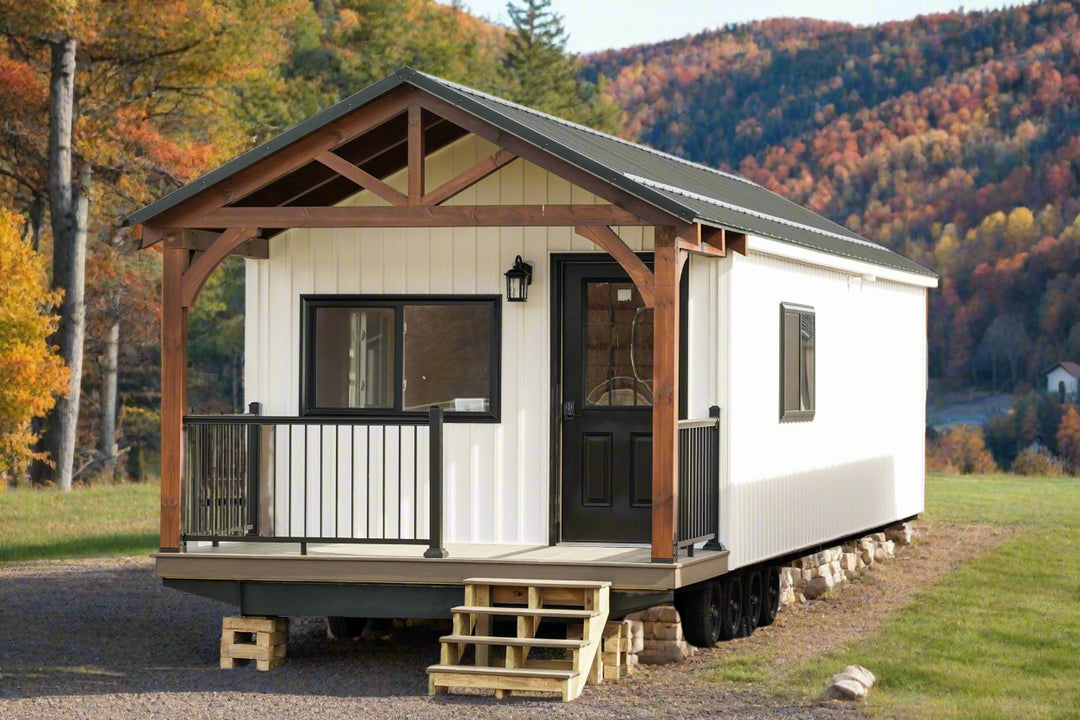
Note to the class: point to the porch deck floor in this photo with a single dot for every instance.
(625, 567)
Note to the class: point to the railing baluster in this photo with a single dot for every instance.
(367, 481)
(322, 481)
(337, 480)
(415, 487)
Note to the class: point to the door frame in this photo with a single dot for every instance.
(556, 263)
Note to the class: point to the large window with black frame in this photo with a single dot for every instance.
(797, 348)
(396, 355)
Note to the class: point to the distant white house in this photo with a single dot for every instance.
(1063, 380)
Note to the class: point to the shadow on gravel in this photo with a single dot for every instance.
(81, 630)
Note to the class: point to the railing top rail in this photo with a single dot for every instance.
(702, 422)
(394, 420)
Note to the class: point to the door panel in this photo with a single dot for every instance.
(606, 374)
(596, 469)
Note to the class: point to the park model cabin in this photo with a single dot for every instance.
(482, 341)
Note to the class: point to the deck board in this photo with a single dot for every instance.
(626, 568)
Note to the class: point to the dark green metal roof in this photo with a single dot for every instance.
(686, 190)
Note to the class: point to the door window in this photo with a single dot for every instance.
(618, 348)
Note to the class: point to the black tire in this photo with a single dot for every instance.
(345, 628)
(771, 606)
(730, 588)
(699, 609)
(755, 598)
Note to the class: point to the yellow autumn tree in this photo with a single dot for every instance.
(31, 372)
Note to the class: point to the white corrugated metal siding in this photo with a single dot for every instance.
(859, 462)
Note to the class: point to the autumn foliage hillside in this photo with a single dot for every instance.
(954, 138)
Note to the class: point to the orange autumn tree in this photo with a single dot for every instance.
(109, 105)
(31, 373)
(1068, 439)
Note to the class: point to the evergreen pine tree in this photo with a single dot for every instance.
(540, 74)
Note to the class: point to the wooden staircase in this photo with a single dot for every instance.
(579, 602)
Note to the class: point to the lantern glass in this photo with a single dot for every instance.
(518, 279)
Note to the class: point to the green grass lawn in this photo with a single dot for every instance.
(86, 522)
(997, 638)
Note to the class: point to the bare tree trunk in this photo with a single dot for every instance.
(108, 399)
(69, 207)
(35, 221)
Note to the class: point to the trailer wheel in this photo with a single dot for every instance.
(731, 590)
(699, 607)
(755, 597)
(771, 605)
(345, 628)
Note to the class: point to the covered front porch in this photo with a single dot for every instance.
(363, 494)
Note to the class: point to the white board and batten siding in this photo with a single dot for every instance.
(496, 475)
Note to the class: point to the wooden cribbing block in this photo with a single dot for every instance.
(261, 639)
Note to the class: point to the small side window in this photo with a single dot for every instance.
(797, 341)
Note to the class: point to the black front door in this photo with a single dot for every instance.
(606, 378)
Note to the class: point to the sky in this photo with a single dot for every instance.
(602, 24)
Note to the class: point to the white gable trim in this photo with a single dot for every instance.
(766, 246)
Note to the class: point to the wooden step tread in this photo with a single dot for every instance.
(525, 612)
(515, 641)
(503, 671)
(506, 582)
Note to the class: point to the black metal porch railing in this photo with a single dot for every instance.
(256, 478)
(699, 482)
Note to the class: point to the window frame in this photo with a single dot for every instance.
(310, 303)
(796, 415)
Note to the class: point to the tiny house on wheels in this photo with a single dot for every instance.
(481, 341)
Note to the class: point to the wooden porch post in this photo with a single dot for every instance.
(665, 468)
(174, 328)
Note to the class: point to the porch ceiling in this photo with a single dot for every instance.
(381, 152)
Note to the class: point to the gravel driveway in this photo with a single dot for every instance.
(104, 639)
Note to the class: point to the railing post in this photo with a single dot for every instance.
(714, 478)
(254, 457)
(435, 471)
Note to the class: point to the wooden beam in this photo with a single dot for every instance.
(173, 392)
(470, 177)
(416, 156)
(665, 415)
(201, 240)
(146, 236)
(701, 249)
(547, 161)
(196, 275)
(289, 158)
(714, 237)
(382, 141)
(736, 241)
(364, 179)
(701, 239)
(422, 216)
(614, 246)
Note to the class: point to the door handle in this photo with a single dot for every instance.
(568, 410)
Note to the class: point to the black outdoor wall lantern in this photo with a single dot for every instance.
(518, 279)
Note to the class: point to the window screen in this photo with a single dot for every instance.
(797, 340)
